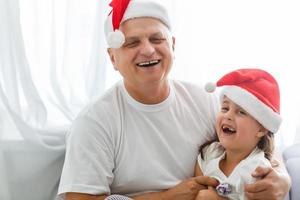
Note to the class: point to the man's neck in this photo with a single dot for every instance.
(149, 93)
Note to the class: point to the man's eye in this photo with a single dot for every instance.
(157, 40)
(131, 44)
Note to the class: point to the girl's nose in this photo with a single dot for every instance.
(229, 115)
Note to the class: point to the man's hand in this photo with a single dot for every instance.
(188, 189)
(209, 194)
(273, 185)
(81, 196)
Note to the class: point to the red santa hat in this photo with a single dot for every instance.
(256, 91)
(123, 10)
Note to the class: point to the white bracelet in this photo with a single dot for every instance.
(117, 197)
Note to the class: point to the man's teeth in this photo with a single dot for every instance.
(149, 63)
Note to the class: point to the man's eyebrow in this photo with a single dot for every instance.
(131, 38)
(137, 38)
(157, 34)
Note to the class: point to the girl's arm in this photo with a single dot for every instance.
(198, 171)
(209, 193)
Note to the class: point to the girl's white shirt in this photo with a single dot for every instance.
(241, 174)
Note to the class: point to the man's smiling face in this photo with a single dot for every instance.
(146, 56)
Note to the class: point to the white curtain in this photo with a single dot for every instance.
(52, 62)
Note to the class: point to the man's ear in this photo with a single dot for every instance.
(173, 43)
(112, 57)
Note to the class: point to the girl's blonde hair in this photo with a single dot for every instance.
(266, 144)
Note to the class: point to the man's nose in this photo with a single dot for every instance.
(147, 48)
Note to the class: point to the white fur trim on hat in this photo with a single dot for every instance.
(137, 9)
(256, 108)
(210, 87)
(115, 39)
(147, 8)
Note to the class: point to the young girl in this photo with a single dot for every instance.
(248, 118)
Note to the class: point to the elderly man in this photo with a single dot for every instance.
(141, 138)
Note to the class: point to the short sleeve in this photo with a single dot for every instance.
(212, 151)
(248, 166)
(89, 160)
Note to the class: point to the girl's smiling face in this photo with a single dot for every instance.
(236, 129)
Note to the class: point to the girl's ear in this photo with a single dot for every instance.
(262, 132)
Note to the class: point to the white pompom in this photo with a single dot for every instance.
(210, 87)
(115, 39)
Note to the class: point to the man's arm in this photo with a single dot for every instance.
(81, 196)
(275, 182)
(186, 190)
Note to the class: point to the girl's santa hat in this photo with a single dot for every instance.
(256, 91)
(123, 10)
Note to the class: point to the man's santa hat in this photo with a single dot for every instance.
(123, 10)
(256, 91)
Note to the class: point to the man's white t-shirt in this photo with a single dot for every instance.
(120, 146)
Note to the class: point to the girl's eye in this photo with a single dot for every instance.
(224, 109)
(242, 112)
